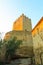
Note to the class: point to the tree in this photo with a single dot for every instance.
(11, 46)
(0, 47)
(0, 43)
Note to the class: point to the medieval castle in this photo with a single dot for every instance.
(32, 38)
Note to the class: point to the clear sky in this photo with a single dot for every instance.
(10, 10)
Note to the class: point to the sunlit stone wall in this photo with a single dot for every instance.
(37, 34)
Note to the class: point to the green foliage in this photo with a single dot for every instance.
(0, 43)
(11, 46)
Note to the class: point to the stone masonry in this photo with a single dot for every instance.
(22, 30)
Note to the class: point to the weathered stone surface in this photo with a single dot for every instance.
(22, 23)
(24, 61)
(37, 33)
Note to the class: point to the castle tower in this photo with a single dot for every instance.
(22, 23)
(22, 30)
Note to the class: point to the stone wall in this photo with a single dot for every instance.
(18, 24)
(27, 45)
(37, 34)
(22, 23)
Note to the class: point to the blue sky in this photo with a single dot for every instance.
(10, 10)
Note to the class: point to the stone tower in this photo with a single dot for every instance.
(22, 30)
(22, 23)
